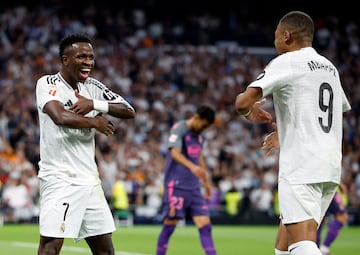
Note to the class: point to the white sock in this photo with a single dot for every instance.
(304, 247)
(324, 249)
(278, 252)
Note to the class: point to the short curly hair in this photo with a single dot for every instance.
(70, 39)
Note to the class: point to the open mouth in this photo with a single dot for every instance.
(84, 73)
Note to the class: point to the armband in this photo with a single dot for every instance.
(101, 106)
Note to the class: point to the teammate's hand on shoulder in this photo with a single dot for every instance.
(82, 106)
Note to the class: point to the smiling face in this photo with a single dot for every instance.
(78, 61)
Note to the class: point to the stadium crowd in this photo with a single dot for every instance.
(165, 69)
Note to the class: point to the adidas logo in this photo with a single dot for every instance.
(68, 103)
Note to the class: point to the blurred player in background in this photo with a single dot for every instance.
(185, 174)
(309, 103)
(336, 218)
(70, 106)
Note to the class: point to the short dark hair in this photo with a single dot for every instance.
(70, 39)
(299, 22)
(207, 113)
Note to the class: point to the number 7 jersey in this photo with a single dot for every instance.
(309, 102)
(69, 153)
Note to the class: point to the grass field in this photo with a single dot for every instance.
(141, 240)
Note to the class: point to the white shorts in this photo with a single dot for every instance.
(300, 202)
(73, 211)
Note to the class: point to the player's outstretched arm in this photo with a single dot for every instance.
(248, 105)
(257, 114)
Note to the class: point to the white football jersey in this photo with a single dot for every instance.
(309, 102)
(69, 153)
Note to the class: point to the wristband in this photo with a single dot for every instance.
(101, 106)
(247, 113)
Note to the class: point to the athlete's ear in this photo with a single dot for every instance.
(287, 35)
(64, 59)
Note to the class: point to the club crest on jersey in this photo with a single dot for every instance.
(261, 75)
(62, 227)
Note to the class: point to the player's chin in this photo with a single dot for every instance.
(82, 80)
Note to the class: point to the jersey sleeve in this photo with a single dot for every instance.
(175, 137)
(45, 92)
(275, 75)
(102, 92)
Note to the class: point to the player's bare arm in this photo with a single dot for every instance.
(181, 159)
(205, 178)
(206, 182)
(63, 117)
(248, 105)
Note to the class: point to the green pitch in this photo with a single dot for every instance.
(141, 240)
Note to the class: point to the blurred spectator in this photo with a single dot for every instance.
(17, 202)
(151, 200)
(262, 200)
(108, 169)
(216, 200)
(120, 198)
(232, 201)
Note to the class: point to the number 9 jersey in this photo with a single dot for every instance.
(309, 102)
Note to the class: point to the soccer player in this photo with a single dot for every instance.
(185, 172)
(71, 107)
(309, 103)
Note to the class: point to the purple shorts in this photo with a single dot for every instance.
(177, 203)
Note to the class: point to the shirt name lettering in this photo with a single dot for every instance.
(316, 65)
